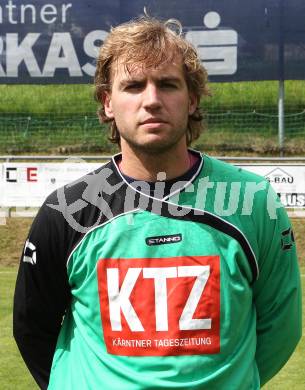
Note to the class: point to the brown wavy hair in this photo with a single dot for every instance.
(150, 42)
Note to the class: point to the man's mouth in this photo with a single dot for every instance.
(153, 121)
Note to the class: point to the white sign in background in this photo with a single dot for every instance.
(287, 180)
(28, 184)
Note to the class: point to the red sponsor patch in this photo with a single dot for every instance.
(160, 306)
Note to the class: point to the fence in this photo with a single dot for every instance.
(254, 131)
(235, 130)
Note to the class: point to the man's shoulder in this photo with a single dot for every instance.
(219, 170)
(85, 202)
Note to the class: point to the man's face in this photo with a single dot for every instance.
(150, 106)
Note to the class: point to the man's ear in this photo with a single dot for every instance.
(193, 102)
(107, 103)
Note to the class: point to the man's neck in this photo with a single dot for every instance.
(147, 166)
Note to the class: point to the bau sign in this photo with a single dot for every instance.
(279, 176)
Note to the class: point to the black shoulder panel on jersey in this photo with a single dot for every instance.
(88, 202)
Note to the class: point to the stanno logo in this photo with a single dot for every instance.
(160, 240)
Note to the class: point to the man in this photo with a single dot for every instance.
(163, 279)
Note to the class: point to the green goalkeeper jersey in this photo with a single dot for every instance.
(197, 290)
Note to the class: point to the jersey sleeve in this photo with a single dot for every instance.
(41, 294)
(277, 292)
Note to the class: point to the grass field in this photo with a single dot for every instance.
(69, 99)
(13, 373)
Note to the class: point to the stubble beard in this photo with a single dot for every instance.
(155, 148)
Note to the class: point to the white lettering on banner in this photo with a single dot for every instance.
(16, 53)
(119, 297)
(217, 49)
(61, 54)
(92, 50)
(30, 13)
(64, 9)
(48, 9)
(28, 7)
(10, 7)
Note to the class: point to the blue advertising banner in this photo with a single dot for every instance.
(57, 42)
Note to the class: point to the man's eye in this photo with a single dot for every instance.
(133, 87)
(168, 85)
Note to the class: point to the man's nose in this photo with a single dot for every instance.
(151, 96)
